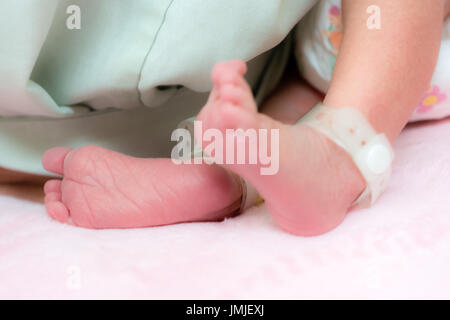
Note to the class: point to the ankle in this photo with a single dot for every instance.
(349, 180)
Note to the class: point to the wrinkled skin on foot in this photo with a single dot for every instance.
(104, 189)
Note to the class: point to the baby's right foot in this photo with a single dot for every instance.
(317, 180)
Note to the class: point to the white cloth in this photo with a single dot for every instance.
(71, 87)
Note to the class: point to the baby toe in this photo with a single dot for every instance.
(230, 72)
(52, 186)
(238, 65)
(53, 196)
(57, 211)
(236, 95)
(53, 159)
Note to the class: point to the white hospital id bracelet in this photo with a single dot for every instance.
(371, 152)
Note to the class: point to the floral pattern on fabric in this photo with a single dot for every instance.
(431, 98)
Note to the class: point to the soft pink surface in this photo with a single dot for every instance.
(400, 248)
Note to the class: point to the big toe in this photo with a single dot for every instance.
(57, 210)
(53, 159)
(229, 72)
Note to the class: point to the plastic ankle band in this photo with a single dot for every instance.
(371, 152)
(249, 194)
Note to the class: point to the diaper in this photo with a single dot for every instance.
(318, 40)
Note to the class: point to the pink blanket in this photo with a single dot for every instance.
(400, 248)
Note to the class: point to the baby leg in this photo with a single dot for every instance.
(292, 99)
(384, 73)
(10, 176)
(22, 185)
(317, 180)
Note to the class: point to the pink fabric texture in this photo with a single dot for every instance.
(400, 248)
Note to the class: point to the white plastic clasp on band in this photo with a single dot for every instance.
(371, 152)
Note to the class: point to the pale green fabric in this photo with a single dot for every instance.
(130, 74)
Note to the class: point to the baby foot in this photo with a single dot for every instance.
(105, 189)
(317, 181)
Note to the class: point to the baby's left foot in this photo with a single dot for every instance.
(105, 189)
(317, 181)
